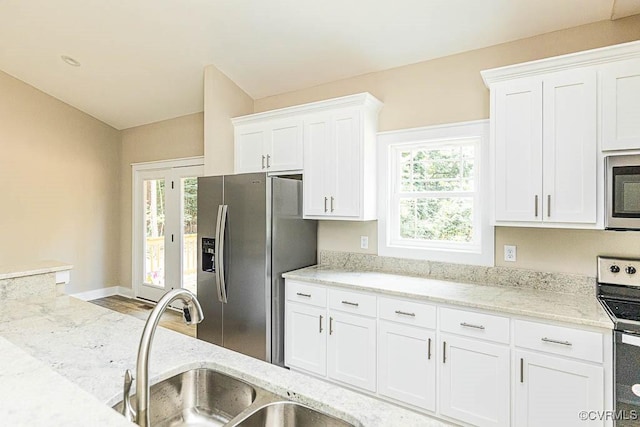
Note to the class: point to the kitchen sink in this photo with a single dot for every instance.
(201, 397)
(290, 414)
(205, 397)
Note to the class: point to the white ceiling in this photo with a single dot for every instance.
(142, 60)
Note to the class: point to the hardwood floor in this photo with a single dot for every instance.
(140, 309)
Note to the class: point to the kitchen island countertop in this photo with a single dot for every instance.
(63, 362)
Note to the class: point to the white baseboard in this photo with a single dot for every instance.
(104, 292)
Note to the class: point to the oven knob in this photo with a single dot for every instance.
(630, 269)
(614, 269)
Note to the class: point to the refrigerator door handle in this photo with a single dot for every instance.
(220, 254)
(217, 254)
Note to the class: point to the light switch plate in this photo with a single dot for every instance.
(510, 253)
(364, 242)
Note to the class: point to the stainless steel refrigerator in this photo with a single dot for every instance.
(250, 231)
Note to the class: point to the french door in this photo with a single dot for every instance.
(165, 227)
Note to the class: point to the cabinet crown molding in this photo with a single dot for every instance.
(364, 99)
(585, 58)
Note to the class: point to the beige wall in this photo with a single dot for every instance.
(223, 100)
(169, 139)
(451, 90)
(59, 186)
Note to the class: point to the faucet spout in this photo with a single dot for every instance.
(192, 312)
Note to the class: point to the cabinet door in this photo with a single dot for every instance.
(345, 167)
(517, 127)
(249, 149)
(621, 105)
(319, 151)
(570, 147)
(284, 146)
(474, 381)
(305, 338)
(352, 350)
(406, 364)
(553, 391)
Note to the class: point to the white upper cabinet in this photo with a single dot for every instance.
(551, 120)
(332, 142)
(545, 148)
(267, 145)
(621, 105)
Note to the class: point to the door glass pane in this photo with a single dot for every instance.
(189, 229)
(154, 219)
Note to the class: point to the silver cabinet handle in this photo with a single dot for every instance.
(331, 203)
(429, 349)
(330, 325)
(355, 304)
(549, 340)
(521, 370)
(263, 161)
(303, 295)
(268, 163)
(548, 204)
(535, 206)
(404, 313)
(469, 325)
(320, 323)
(444, 352)
(325, 204)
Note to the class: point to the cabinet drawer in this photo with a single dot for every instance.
(306, 293)
(477, 325)
(411, 313)
(352, 302)
(570, 342)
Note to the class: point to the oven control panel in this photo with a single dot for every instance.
(619, 271)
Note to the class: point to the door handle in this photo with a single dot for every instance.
(535, 206)
(320, 324)
(548, 205)
(220, 267)
(521, 370)
(217, 253)
(325, 204)
(429, 349)
(444, 352)
(268, 163)
(330, 325)
(263, 161)
(331, 203)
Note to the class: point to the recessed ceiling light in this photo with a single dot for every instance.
(69, 60)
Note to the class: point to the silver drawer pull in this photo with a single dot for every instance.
(469, 325)
(545, 339)
(303, 295)
(404, 313)
(355, 304)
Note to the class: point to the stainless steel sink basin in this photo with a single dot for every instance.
(290, 414)
(199, 397)
(204, 397)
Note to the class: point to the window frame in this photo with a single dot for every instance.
(481, 251)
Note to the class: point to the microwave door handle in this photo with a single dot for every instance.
(220, 268)
(217, 254)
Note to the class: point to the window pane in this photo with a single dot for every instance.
(442, 168)
(154, 199)
(442, 219)
(190, 232)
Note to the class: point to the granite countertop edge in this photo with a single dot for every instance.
(452, 293)
(41, 267)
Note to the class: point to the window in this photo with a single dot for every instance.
(434, 203)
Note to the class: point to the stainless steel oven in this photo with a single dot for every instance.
(623, 192)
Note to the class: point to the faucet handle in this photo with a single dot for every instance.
(127, 410)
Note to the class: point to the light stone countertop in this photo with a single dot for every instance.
(39, 267)
(576, 309)
(76, 342)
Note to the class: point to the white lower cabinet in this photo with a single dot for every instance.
(407, 364)
(553, 391)
(351, 350)
(473, 367)
(474, 381)
(306, 339)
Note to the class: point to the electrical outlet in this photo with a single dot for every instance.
(364, 242)
(510, 253)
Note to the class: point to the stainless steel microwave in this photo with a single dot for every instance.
(623, 192)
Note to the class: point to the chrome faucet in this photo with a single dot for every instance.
(192, 313)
